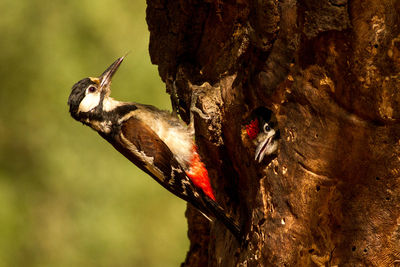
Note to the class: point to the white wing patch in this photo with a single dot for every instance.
(89, 102)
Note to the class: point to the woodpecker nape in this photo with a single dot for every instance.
(158, 143)
(262, 130)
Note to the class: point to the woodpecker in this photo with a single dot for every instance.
(261, 131)
(158, 143)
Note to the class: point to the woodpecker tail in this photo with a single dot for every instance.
(215, 210)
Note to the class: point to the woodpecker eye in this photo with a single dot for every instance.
(92, 89)
(267, 128)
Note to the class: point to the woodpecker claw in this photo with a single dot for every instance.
(194, 109)
(200, 113)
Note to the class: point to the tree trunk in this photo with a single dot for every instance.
(329, 70)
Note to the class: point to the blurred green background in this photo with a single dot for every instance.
(67, 198)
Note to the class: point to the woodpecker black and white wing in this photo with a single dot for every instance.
(137, 142)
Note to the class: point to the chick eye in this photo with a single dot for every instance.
(92, 89)
(267, 128)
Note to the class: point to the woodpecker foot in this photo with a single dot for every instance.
(194, 109)
(200, 113)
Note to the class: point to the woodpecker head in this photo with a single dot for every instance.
(261, 129)
(89, 97)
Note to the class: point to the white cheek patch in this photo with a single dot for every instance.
(90, 101)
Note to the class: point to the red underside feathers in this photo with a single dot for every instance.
(199, 175)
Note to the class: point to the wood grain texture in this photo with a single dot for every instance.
(330, 71)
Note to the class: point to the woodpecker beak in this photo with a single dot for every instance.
(261, 149)
(105, 78)
(267, 145)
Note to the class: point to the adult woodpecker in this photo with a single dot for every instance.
(261, 129)
(154, 140)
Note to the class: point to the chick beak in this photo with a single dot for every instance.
(268, 144)
(261, 149)
(105, 78)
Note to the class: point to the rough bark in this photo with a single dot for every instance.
(329, 70)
